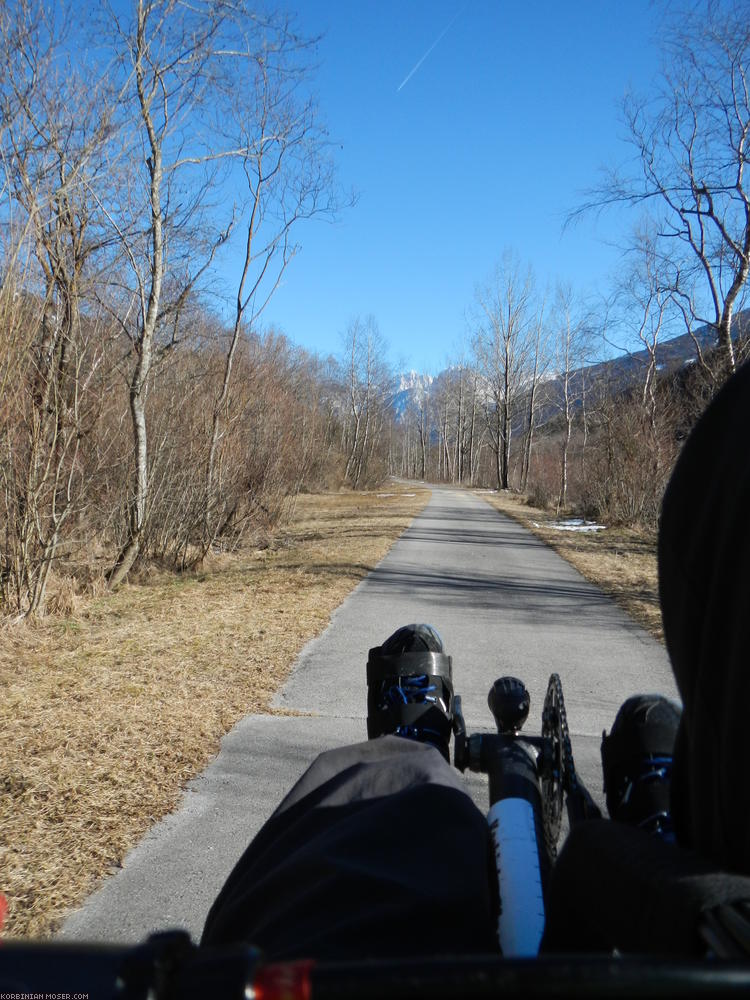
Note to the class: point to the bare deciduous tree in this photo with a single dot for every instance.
(208, 94)
(502, 347)
(288, 178)
(649, 290)
(692, 145)
(539, 364)
(170, 57)
(369, 382)
(52, 140)
(571, 337)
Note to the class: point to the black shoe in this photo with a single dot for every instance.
(637, 763)
(410, 688)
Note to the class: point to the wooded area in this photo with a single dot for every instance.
(135, 423)
(139, 421)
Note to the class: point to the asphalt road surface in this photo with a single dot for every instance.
(503, 602)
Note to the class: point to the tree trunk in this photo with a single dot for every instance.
(562, 500)
(499, 454)
(137, 520)
(423, 442)
(471, 434)
(506, 444)
(529, 438)
(564, 470)
(724, 336)
(144, 344)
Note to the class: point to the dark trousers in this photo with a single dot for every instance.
(377, 850)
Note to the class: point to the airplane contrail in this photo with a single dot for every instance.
(434, 45)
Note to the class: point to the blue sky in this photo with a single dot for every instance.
(487, 146)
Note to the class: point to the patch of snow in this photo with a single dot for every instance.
(572, 524)
(576, 524)
(381, 495)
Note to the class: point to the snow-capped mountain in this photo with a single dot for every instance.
(409, 389)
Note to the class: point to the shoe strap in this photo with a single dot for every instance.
(380, 665)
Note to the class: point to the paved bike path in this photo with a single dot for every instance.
(504, 603)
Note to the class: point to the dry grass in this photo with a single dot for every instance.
(105, 715)
(622, 561)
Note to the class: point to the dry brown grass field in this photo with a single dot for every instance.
(622, 561)
(106, 715)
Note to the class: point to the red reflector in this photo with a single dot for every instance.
(284, 981)
(3, 910)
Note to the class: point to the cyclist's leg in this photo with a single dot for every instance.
(377, 850)
(618, 886)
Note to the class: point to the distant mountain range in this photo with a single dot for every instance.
(670, 354)
(617, 373)
(411, 387)
(621, 373)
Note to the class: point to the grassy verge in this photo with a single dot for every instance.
(106, 715)
(622, 561)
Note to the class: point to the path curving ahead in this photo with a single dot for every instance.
(503, 602)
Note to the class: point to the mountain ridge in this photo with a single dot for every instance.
(620, 373)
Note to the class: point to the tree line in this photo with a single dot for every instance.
(529, 410)
(138, 143)
(138, 421)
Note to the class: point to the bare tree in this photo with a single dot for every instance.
(445, 400)
(55, 130)
(423, 428)
(473, 438)
(462, 380)
(501, 347)
(692, 145)
(369, 388)
(572, 333)
(538, 367)
(650, 292)
(415, 426)
(168, 53)
(288, 178)
(207, 90)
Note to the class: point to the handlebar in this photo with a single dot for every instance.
(168, 966)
